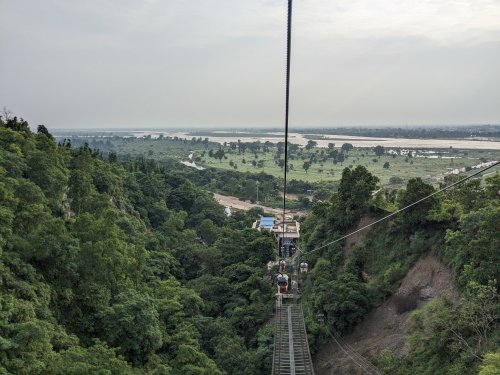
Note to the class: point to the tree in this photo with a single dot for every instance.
(386, 165)
(5, 115)
(18, 125)
(416, 189)
(42, 129)
(478, 315)
(334, 154)
(493, 186)
(215, 291)
(474, 245)
(355, 191)
(331, 146)
(310, 144)
(81, 187)
(97, 359)
(112, 157)
(132, 323)
(47, 168)
(430, 331)
(232, 355)
(379, 150)
(444, 336)
(490, 364)
(190, 360)
(306, 165)
(344, 302)
(219, 154)
(340, 158)
(208, 231)
(346, 147)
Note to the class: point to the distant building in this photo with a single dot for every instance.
(265, 222)
(287, 232)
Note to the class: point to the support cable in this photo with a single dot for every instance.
(402, 209)
(357, 358)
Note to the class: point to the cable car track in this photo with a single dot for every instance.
(291, 354)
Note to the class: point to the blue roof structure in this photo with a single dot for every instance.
(266, 222)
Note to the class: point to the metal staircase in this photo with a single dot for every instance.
(291, 350)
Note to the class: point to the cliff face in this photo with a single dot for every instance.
(386, 326)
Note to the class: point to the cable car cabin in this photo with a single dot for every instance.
(282, 283)
(303, 267)
(282, 266)
(287, 235)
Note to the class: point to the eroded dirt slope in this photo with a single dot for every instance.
(385, 326)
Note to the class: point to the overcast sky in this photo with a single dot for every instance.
(221, 63)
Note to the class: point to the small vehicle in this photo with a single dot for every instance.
(284, 252)
(283, 283)
(282, 266)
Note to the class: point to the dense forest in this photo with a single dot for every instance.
(112, 266)
(310, 168)
(123, 268)
(461, 226)
(230, 182)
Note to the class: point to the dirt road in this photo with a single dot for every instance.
(237, 204)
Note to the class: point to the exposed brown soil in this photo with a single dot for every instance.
(384, 327)
(236, 203)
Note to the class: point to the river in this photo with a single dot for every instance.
(338, 140)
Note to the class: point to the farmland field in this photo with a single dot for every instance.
(395, 166)
(429, 168)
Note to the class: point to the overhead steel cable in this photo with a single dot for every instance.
(287, 108)
(402, 209)
(358, 359)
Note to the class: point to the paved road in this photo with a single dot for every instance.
(235, 203)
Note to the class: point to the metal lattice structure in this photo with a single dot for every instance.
(291, 354)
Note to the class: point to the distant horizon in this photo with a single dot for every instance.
(263, 128)
(468, 137)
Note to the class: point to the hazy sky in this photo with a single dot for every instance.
(213, 63)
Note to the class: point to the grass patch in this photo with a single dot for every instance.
(400, 168)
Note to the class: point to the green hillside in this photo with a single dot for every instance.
(110, 268)
(460, 226)
(127, 267)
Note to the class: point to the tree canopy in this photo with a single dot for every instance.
(114, 267)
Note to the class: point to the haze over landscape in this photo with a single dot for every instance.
(150, 63)
(159, 216)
